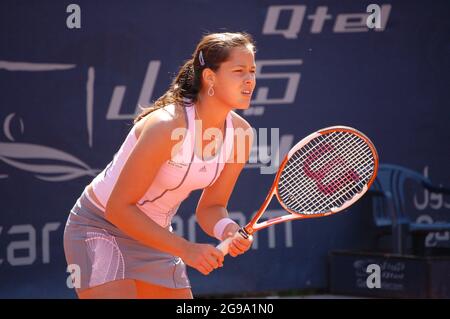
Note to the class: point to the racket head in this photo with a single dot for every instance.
(326, 172)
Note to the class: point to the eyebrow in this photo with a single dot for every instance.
(241, 65)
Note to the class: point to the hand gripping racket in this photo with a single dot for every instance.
(324, 173)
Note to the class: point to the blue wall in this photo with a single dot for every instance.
(67, 98)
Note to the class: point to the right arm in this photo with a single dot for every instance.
(153, 148)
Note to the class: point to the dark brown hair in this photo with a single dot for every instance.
(215, 49)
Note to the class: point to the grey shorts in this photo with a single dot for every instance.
(104, 253)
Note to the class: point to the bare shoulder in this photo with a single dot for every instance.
(162, 121)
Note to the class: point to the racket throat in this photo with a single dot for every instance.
(277, 220)
(246, 233)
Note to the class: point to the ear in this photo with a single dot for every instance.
(208, 76)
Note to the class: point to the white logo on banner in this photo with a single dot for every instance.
(433, 201)
(144, 98)
(295, 15)
(23, 252)
(28, 157)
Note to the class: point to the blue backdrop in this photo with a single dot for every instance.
(68, 97)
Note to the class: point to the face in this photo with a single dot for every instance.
(235, 79)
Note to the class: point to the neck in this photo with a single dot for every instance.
(211, 111)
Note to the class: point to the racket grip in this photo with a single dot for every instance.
(223, 246)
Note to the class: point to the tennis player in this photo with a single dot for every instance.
(119, 231)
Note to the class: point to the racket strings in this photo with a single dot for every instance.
(308, 184)
(348, 166)
(320, 203)
(354, 147)
(308, 194)
(331, 176)
(342, 196)
(314, 144)
(331, 184)
(303, 152)
(297, 160)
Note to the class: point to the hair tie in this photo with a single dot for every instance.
(200, 58)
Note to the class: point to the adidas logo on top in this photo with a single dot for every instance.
(203, 169)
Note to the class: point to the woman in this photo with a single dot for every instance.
(119, 231)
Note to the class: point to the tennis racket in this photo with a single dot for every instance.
(321, 175)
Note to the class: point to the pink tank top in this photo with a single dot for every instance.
(176, 178)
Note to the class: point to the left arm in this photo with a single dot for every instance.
(214, 199)
(213, 202)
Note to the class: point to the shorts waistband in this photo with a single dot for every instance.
(87, 208)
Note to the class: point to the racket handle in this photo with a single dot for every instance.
(223, 246)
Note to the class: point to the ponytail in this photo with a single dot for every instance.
(185, 86)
